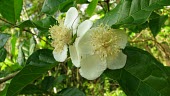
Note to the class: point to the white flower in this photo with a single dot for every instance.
(74, 53)
(98, 49)
(62, 34)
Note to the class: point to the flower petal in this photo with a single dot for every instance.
(74, 55)
(116, 62)
(75, 24)
(84, 44)
(84, 27)
(61, 57)
(123, 37)
(92, 67)
(71, 16)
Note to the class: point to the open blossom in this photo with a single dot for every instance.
(62, 34)
(98, 49)
(74, 53)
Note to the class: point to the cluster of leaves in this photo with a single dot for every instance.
(25, 47)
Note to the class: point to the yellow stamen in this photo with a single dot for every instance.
(104, 41)
(61, 36)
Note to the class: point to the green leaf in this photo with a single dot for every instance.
(3, 53)
(137, 28)
(3, 39)
(81, 1)
(47, 83)
(59, 81)
(156, 24)
(51, 6)
(21, 57)
(32, 45)
(42, 25)
(13, 40)
(60, 78)
(32, 89)
(11, 9)
(46, 23)
(91, 7)
(142, 75)
(27, 23)
(132, 12)
(71, 92)
(37, 64)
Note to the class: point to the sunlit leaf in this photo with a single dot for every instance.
(132, 12)
(21, 57)
(11, 9)
(32, 46)
(81, 1)
(37, 64)
(91, 7)
(13, 40)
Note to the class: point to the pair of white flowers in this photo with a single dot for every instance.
(94, 49)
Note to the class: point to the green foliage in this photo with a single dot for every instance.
(11, 9)
(71, 92)
(143, 75)
(51, 6)
(91, 7)
(32, 89)
(42, 25)
(156, 24)
(3, 39)
(47, 83)
(132, 11)
(21, 57)
(34, 69)
(3, 53)
(147, 23)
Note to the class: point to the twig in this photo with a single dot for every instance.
(159, 46)
(143, 40)
(10, 76)
(36, 35)
(28, 31)
(108, 6)
(100, 3)
(7, 22)
(137, 36)
(7, 66)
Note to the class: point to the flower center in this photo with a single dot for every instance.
(104, 41)
(61, 36)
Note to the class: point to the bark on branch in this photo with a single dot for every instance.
(8, 77)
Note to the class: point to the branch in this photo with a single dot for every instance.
(28, 31)
(8, 77)
(108, 6)
(7, 22)
(158, 45)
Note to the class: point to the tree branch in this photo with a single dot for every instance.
(8, 77)
(28, 31)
